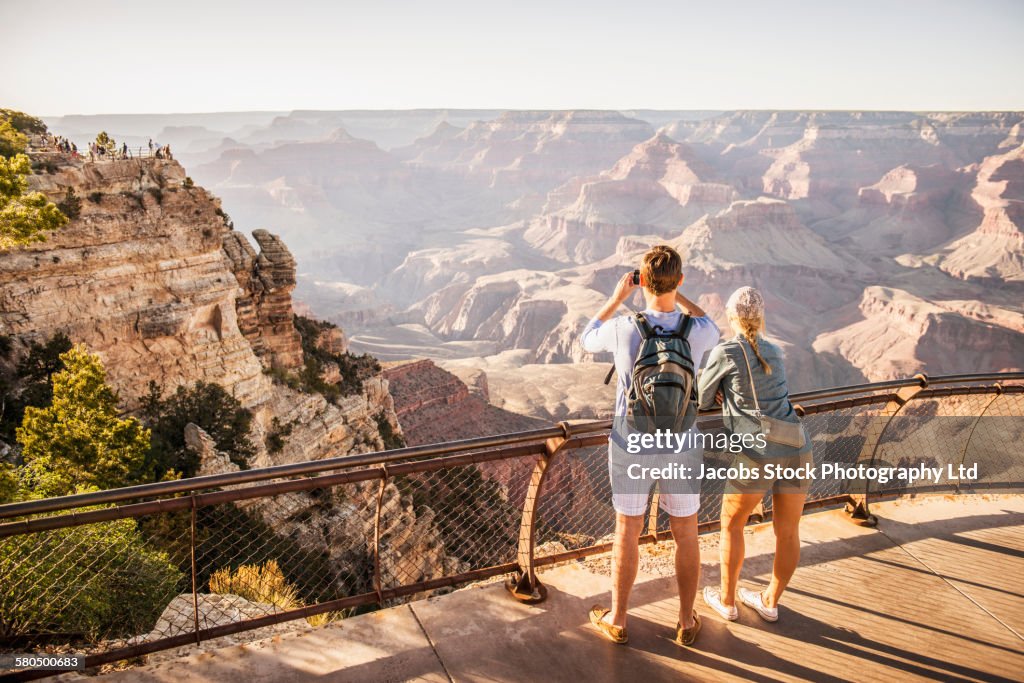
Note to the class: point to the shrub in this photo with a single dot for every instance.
(97, 581)
(210, 407)
(264, 584)
(278, 433)
(188, 182)
(71, 205)
(282, 376)
(391, 439)
(256, 583)
(95, 197)
(226, 218)
(23, 122)
(354, 369)
(14, 127)
(40, 165)
(12, 141)
(24, 216)
(228, 536)
(8, 482)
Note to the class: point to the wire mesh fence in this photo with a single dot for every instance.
(162, 571)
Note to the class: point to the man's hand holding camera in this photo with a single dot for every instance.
(629, 283)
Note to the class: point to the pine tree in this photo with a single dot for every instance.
(105, 141)
(78, 442)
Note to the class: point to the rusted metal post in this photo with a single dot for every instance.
(195, 595)
(857, 507)
(376, 536)
(524, 584)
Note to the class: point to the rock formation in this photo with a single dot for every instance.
(265, 304)
(660, 186)
(995, 250)
(152, 278)
(433, 405)
(899, 334)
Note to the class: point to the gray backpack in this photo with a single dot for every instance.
(663, 394)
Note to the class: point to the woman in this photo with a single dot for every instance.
(746, 375)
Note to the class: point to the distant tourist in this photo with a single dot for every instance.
(631, 338)
(151, 146)
(746, 376)
(167, 151)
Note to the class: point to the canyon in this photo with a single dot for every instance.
(886, 243)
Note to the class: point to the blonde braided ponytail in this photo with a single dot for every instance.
(750, 328)
(746, 313)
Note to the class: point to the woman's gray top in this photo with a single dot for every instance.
(727, 371)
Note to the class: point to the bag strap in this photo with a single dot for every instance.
(685, 323)
(608, 377)
(757, 404)
(643, 327)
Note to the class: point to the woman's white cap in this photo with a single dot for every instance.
(746, 302)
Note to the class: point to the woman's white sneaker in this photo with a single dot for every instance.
(754, 600)
(713, 599)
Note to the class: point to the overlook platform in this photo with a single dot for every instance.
(936, 591)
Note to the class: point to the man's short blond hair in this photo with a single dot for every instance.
(661, 269)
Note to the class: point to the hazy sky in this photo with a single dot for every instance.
(85, 56)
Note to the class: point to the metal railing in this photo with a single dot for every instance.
(131, 571)
(45, 151)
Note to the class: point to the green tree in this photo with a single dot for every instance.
(22, 121)
(8, 482)
(14, 126)
(24, 216)
(71, 205)
(12, 141)
(105, 141)
(78, 442)
(210, 407)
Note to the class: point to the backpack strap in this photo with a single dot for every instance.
(608, 377)
(642, 326)
(685, 323)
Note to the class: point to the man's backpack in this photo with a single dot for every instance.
(663, 394)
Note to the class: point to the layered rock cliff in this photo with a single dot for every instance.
(151, 277)
(433, 405)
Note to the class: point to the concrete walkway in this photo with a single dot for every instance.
(935, 592)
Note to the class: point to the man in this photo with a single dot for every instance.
(660, 276)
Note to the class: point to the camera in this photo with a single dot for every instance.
(636, 276)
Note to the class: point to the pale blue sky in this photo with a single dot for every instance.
(85, 56)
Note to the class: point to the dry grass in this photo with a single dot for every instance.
(264, 584)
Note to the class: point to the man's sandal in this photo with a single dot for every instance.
(616, 634)
(686, 636)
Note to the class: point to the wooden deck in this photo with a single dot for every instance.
(935, 592)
